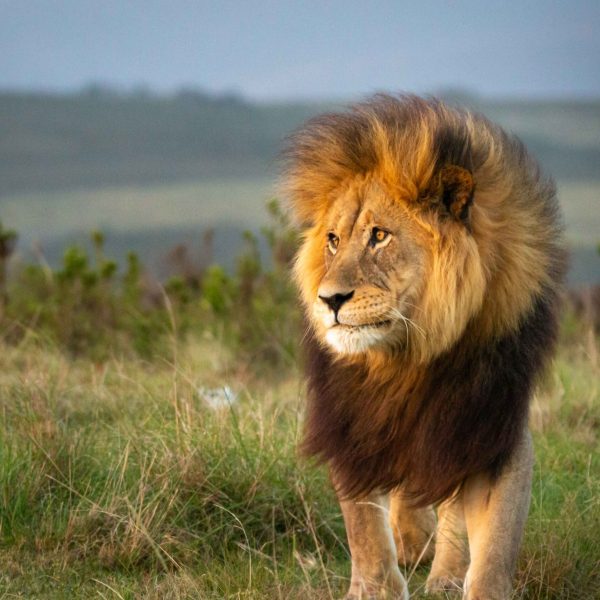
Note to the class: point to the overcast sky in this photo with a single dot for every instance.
(324, 49)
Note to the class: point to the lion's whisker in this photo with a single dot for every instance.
(396, 312)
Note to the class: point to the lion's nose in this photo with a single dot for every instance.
(336, 300)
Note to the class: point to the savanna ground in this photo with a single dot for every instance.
(118, 480)
(121, 477)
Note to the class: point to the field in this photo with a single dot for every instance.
(139, 208)
(121, 480)
(151, 220)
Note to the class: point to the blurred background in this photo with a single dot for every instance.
(159, 123)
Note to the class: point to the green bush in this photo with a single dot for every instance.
(89, 307)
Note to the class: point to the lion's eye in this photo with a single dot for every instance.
(333, 241)
(378, 236)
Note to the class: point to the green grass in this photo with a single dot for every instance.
(579, 203)
(118, 481)
(135, 208)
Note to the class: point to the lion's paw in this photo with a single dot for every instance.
(394, 588)
(443, 584)
(383, 595)
(414, 549)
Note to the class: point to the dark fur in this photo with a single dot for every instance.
(460, 415)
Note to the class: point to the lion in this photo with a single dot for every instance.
(430, 271)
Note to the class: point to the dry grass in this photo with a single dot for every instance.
(117, 480)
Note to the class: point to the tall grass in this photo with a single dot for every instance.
(120, 480)
(124, 470)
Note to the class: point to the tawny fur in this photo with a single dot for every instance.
(489, 293)
(434, 409)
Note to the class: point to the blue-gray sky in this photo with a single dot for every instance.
(310, 49)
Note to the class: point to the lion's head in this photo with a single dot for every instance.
(374, 270)
(413, 228)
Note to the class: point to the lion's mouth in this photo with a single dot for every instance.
(371, 325)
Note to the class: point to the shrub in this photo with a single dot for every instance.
(87, 306)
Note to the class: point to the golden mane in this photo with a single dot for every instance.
(454, 402)
(492, 275)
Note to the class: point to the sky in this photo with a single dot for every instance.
(271, 51)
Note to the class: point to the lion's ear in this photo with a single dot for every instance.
(456, 187)
(452, 193)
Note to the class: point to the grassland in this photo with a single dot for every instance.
(151, 219)
(101, 137)
(139, 208)
(118, 480)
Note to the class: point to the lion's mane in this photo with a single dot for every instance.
(455, 402)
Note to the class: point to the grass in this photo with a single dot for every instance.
(118, 480)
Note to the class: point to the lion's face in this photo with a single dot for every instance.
(373, 265)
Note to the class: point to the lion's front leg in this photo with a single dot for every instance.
(451, 549)
(495, 514)
(375, 572)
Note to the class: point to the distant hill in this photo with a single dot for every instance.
(52, 142)
(97, 138)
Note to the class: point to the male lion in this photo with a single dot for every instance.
(429, 271)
